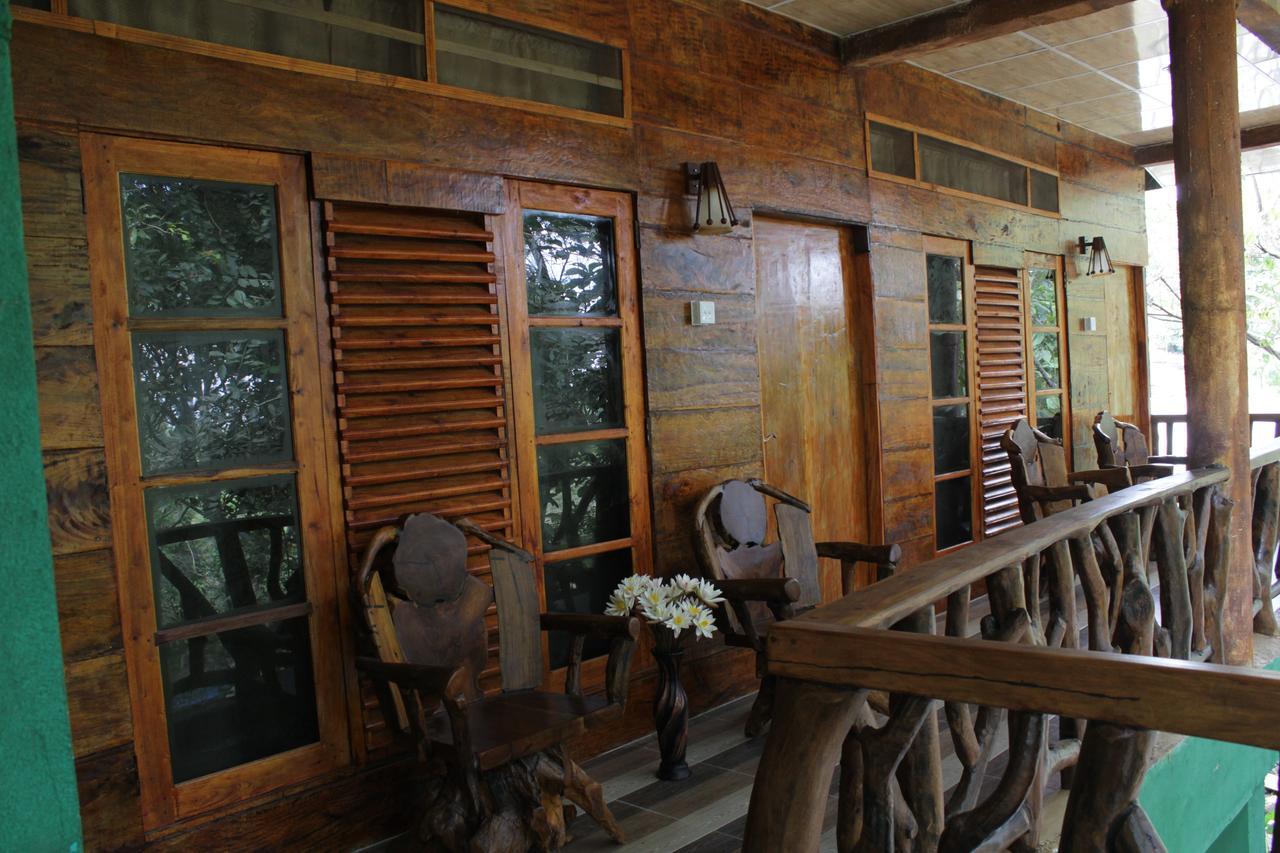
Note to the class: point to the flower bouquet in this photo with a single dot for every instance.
(671, 606)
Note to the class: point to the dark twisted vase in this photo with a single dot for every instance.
(670, 708)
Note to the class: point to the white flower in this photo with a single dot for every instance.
(685, 583)
(634, 586)
(653, 597)
(619, 605)
(655, 613)
(694, 610)
(678, 621)
(704, 625)
(709, 593)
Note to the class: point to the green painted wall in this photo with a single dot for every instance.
(39, 807)
(1206, 795)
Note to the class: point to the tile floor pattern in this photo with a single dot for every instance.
(706, 813)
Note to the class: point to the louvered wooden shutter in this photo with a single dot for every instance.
(1002, 386)
(418, 366)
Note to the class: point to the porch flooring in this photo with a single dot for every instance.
(706, 813)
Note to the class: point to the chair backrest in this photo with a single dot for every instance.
(1119, 444)
(1035, 459)
(732, 524)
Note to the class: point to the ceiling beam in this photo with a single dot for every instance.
(1262, 136)
(974, 21)
(1262, 18)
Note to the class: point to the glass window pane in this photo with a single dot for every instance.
(211, 399)
(892, 150)
(583, 586)
(239, 695)
(223, 547)
(950, 439)
(372, 35)
(584, 493)
(949, 165)
(33, 4)
(1046, 355)
(948, 365)
(568, 262)
(1044, 191)
(1049, 415)
(946, 288)
(1044, 297)
(577, 379)
(518, 61)
(953, 512)
(203, 248)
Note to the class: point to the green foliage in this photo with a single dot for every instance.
(577, 374)
(1046, 356)
(206, 247)
(569, 264)
(584, 493)
(210, 399)
(1044, 297)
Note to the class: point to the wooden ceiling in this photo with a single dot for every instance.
(1107, 71)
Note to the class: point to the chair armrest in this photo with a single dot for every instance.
(592, 624)
(436, 682)
(1078, 492)
(1167, 460)
(777, 494)
(881, 555)
(1114, 479)
(767, 590)
(466, 525)
(1152, 471)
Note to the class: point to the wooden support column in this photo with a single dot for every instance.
(1206, 155)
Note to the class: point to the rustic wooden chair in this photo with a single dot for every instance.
(499, 769)
(1122, 445)
(1038, 464)
(767, 582)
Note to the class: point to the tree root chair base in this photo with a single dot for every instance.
(767, 583)
(497, 775)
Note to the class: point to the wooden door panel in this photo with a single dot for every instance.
(810, 363)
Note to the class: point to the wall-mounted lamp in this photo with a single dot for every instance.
(1099, 257)
(714, 214)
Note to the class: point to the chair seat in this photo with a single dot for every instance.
(513, 725)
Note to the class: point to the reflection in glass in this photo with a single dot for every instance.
(1045, 354)
(577, 377)
(583, 585)
(222, 547)
(204, 248)
(950, 438)
(1049, 415)
(947, 364)
(239, 695)
(1044, 191)
(946, 289)
(893, 150)
(953, 512)
(949, 165)
(211, 399)
(568, 265)
(1044, 297)
(583, 488)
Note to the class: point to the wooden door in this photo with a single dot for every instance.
(815, 358)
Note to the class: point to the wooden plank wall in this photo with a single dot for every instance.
(712, 80)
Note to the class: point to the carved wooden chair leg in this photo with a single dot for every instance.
(588, 794)
(762, 708)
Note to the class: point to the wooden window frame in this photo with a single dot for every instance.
(1037, 260)
(105, 157)
(915, 181)
(960, 249)
(61, 18)
(524, 195)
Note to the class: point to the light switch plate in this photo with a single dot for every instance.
(1088, 324)
(702, 313)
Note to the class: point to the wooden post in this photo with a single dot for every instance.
(1206, 155)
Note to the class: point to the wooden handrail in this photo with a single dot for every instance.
(886, 602)
(1197, 699)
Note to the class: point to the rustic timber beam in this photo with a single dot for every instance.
(1130, 690)
(1206, 156)
(1262, 18)
(1263, 136)
(977, 20)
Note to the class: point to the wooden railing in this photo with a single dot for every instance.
(831, 662)
(1169, 432)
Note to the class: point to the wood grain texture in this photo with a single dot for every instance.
(79, 511)
(88, 609)
(70, 414)
(58, 280)
(98, 701)
(110, 805)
